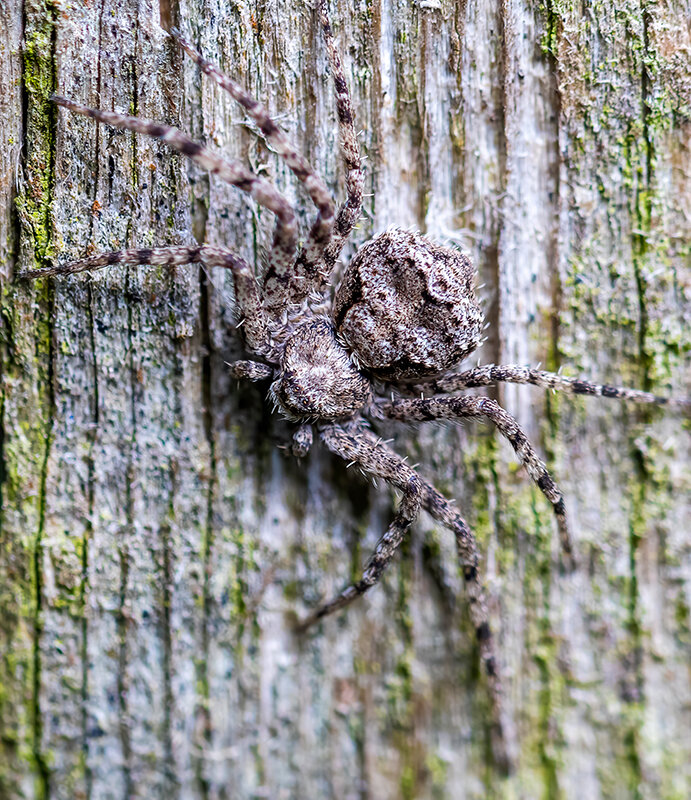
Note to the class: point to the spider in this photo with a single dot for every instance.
(403, 315)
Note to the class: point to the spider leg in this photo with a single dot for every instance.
(354, 442)
(305, 269)
(349, 212)
(479, 407)
(484, 376)
(440, 509)
(250, 371)
(246, 290)
(233, 172)
(385, 550)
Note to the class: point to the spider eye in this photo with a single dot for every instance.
(406, 306)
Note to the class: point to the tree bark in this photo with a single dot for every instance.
(154, 541)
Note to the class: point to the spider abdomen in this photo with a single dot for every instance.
(318, 379)
(406, 306)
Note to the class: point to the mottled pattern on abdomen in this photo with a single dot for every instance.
(406, 306)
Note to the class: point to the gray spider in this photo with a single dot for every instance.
(404, 314)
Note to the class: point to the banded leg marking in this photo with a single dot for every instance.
(232, 172)
(355, 442)
(349, 212)
(246, 289)
(305, 270)
(513, 373)
(483, 407)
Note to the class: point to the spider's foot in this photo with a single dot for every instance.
(568, 560)
(294, 622)
(340, 601)
(301, 626)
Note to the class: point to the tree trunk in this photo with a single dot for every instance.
(154, 540)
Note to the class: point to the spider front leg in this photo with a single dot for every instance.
(355, 442)
(252, 371)
(483, 407)
(232, 172)
(246, 290)
(326, 239)
(302, 440)
(349, 212)
(305, 270)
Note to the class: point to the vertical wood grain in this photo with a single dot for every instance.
(155, 542)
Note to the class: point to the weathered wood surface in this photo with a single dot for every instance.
(154, 540)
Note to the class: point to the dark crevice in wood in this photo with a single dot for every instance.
(553, 354)
(33, 19)
(201, 199)
(37, 557)
(493, 347)
(91, 466)
(374, 139)
(642, 213)
(123, 659)
(633, 690)
(166, 601)
(84, 566)
(426, 35)
(203, 708)
(124, 724)
(123, 541)
(169, 14)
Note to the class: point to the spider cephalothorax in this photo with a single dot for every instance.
(404, 313)
(317, 377)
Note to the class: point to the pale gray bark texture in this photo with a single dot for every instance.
(155, 541)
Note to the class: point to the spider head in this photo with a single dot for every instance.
(406, 307)
(318, 378)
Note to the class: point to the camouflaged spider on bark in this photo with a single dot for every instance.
(404, 314)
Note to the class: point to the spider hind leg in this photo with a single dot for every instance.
(514, 373)
(381, 557)
(457, 407)
(354, 442)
